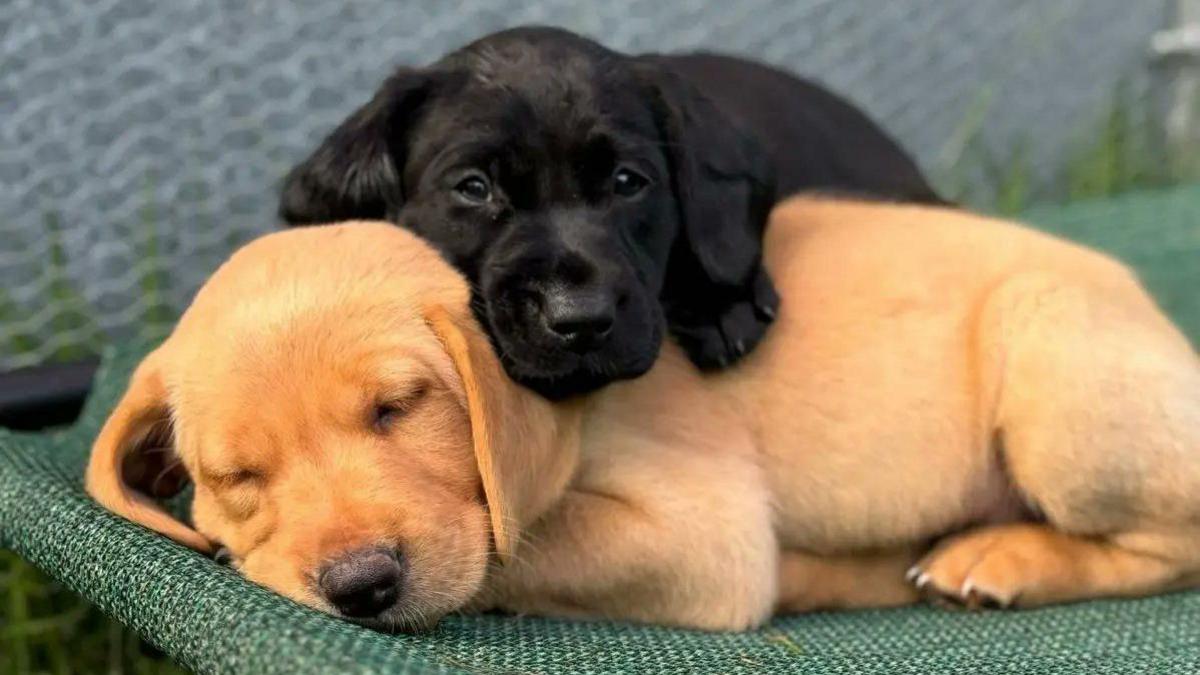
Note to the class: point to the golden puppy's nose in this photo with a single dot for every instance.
(363, 583)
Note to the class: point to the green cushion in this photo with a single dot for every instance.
(210, 620)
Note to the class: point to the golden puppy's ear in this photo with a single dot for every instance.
(133, 460)
(512, 431)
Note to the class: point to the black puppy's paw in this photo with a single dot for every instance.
(726, 331)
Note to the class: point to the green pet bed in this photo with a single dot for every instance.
(210, 620)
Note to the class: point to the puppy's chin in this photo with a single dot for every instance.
(398, 620)
(556, 372)
(433, 591)
(441, 589)
(419, 612)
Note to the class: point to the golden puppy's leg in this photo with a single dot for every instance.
(810, 582)
(1098, 414)
(1032, 564)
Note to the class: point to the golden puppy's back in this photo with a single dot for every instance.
(912, 246)
(878, 362)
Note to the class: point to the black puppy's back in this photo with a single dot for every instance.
(816, 140)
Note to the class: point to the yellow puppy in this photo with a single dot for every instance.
(947, 404)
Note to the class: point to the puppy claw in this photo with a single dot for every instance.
(920, 579)
(977, 598)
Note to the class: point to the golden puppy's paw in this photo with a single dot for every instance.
(988, 568)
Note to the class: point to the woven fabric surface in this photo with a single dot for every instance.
(210, 620)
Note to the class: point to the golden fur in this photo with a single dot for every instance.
(947, 404)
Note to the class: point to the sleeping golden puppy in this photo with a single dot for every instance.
(948, 405)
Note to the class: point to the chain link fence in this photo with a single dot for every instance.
(141, 140)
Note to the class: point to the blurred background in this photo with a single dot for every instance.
(142, 140)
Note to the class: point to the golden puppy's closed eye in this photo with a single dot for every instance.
(392, 407)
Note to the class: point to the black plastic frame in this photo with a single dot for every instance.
(44, 396)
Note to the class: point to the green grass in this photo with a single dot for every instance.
(16, 341)
(1120, 150)
(153, 253)
(72, 315)
(45, 628)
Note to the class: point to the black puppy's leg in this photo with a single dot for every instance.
(718, 326)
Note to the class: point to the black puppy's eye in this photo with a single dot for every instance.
(628, 183)
(474, 188)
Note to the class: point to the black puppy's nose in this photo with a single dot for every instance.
(582, 319)
(363, 583)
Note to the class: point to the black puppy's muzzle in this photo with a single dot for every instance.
(581, 319)
(557, 308)
(565, 306)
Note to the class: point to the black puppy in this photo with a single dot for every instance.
(587, 194)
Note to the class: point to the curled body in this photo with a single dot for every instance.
(946, 405)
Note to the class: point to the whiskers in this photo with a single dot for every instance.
(525, 543)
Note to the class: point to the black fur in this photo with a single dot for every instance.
(574, 272)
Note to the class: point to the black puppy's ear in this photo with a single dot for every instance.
(355, 173)
(722, 177)
(717, 297)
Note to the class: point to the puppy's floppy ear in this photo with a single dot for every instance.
(355, 173)
(722, 178)
(513, 432)
(133, 460)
